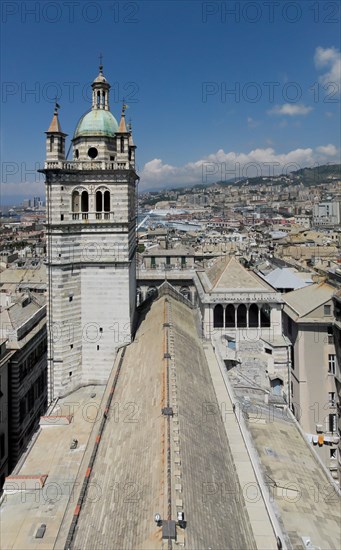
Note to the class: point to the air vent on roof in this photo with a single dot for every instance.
(41, 531)
(167, 411)
(169, 529)
(25, 301)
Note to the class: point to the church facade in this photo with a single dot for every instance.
(91, 244)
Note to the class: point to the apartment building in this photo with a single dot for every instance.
(23, 374)
(308, 323)
(327, 213)
(337, 342)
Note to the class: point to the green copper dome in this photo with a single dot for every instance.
(97, 122)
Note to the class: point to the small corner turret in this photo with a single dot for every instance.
(55, 139)
(124, 140)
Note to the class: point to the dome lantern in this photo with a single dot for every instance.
(100, 90)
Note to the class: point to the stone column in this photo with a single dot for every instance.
(276, 319)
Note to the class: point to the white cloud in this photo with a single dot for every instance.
(23, 189)
(226, 165)
(329, 150)
(252, 123)
(329, 59)
(290, 109)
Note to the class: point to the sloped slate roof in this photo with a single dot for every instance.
(307, 299)
(231, 275)
(285, 278)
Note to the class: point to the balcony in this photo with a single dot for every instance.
(92, 216)
(103, 215)
(87, 165)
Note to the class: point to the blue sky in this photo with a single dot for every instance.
(174, 62)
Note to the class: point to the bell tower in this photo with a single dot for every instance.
(91, 244)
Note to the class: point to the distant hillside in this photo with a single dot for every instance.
(319, 174)
(305, 176)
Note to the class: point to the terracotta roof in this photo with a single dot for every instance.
(55, 125)
(122, 127)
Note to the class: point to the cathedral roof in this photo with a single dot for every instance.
(97, 122)
(227, 274)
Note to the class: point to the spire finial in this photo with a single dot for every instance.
(122, 127)
(56, 106)
(100, 62)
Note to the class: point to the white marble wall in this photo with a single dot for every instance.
(92, 279)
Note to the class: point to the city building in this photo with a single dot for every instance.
(23, 370)
(327, 213)
(237, 301)
(337, 343)
(308, 323)
(5, 356)
(91, 244)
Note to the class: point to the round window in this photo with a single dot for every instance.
(92, 153)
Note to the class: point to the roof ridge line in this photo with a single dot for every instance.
(222, 273)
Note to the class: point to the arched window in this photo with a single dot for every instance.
(186, 293)
(253, 316)
(106, 201)
(75, 201)
(122, 145)
(99, 202)
(138, 296)
(218, 316)
(51, 143)
(229, 316)
(151, 290)
(276, 386)
(241, 316)
(265, 316)
(85, 201)
(98, 99)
